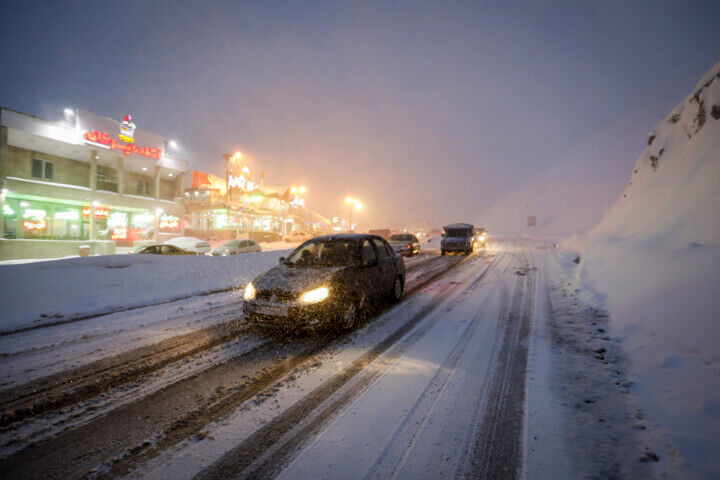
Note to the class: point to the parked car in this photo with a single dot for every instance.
(191, 244)
(325, 283)
(298, 236)
(405, 243)
(262, 236)
(458, 237)
(162, 249)
(233, 247)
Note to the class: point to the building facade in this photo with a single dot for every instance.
(86, 179)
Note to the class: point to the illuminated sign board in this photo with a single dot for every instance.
(119, 233)
(34, 224)
(169, 222)
(103, 140)
(100, 212)
(124, 136)
(7, 210)
(127, 130)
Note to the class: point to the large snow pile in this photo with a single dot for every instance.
(655, 261)
(55, 291)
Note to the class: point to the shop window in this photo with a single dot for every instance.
(42, 169)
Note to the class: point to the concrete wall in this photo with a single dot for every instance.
(167, 189)
(15, 249)
(18, 163)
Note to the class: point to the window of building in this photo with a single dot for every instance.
(42, 169)
(143, 187)
(37, 168)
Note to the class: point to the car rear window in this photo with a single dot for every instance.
(403, 237)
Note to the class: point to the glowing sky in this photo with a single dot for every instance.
(425, 111)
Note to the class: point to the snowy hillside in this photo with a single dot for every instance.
(673, 196)
(654, 262)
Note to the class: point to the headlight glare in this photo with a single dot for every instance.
(250, 292)
(316, 295)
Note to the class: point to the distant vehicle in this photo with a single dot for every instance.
(405, 243)
(458, 237)
(298, 236)
(481, 236)
(381, 232)
(163, 249)
(325, 283)
(191, 244)
(262, 236)
(234, 247)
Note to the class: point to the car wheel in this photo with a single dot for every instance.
(349, 317)
(397, 290)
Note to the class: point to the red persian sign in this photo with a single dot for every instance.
(100, 212)
(104, 140)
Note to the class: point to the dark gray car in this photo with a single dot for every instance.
(325, 283)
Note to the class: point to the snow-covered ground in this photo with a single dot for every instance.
(58, 291)
(654, 263)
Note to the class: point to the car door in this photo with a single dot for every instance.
(370, 270)
(386, 265)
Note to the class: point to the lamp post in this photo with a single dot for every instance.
(352, 202)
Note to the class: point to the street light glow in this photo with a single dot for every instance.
(172, 144)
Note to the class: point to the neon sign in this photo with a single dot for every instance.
(237, 181)
(169, 222)
(119, 233)
(104, 140)
(100, 212)
(34, 224)
(127, 130)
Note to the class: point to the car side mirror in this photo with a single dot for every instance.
(281, 260)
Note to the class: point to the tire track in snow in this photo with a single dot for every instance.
(398, 449)
(270, 447)
(496, 450)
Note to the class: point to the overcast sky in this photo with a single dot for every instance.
(425, 111)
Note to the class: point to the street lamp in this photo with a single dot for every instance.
(352, 202)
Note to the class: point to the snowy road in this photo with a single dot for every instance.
(434, 387)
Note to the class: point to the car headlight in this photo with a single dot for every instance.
(250, 291)
(316, 295)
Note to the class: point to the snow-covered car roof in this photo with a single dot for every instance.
(458, 225)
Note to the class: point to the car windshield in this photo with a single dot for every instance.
(405, 237)
(457, 232)
(324, 253)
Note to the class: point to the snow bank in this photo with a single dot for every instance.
(654, 260)
(55, 291)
